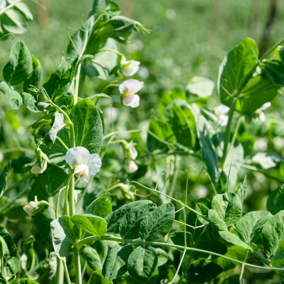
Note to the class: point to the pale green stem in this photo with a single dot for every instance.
(57, 201)
(92, 239)
(77, 265)
(111, 50)
(235, 133)
(71, 196)
(16, 184)
(173, 185)
(9, 7)
(60, 272)
(62, 143)
(121, 132)
(66, 273)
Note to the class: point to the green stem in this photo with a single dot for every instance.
(173, 185)
(9, 7)
(228, 132)
(16, 184)
(57, 201)
(262, 258)
(71, 196)
(60, 272)
(81, 86)
(236, 132)
(111, 50)
(77, 265)
(142, 243)
(66, 273)
(62, 143)
(255, 169)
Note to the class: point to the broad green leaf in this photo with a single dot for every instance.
(200, 86)
(129, 224)
(249, 227)
(64, 235)
(180, 125)
(202, 271)
(209, 154)
(214, 217)
(14, 22)
(23, 8)
(162, 256)
(118, 28)
(233, 163)
(92, 224)
(228, 206)
(257, 92)
(279, 54)
(3, 178)
(29, 101)
(115, 218)
(242, 190)
(274, 72)
(58, 83)
(13, 97)
(34, 78)
(142, 263)
(96, 254)
(163, 131)
(213, 246)
(9, 257)
(98, 6)
(267, 161)
(273, 235)
(88, 126)
(23, 281)
(116, 262)
(98, 278)
(42, 122)
(157, 224)
(233, 239)
(57, 125)
(28, 255)
(275, 201)
(235, 67)
(100, 206)
(19, 66)
(202, 209)
(178, 238)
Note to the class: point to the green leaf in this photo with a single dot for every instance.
(214, 217)
(180, 125)
(178, 238)
(13, 97)
(129, 224)
(100, 206)
(202, 271)
(157, 224)
(19, 66)
(267, 161)
(58, 83)
(275, 201)
(115, 218)
(98, 278)
(162, 256)
(42, 122)
(3, 178)
(209, 154)
(142, 263)
(92, 224)
(34, 78)
(233, 163)
(23, 8)
(274, 72)
(64, 235)
(14, 22)
(88, 126)
(118, 28)
(200, 86)
(257, 92)
(23, 281)
(57, 125)
(228, 206)
(249, 227)
(242, 190)
(96, 254)
(235, 67)
(9, 257)
(202, 209)
(29, 101)
(213, 246)
(273, 235)
(279, 54)
(233, 239)
(116, 262)
(163, 131)
(98, 6)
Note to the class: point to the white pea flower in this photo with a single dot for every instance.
(260, 114)
(128, 90)
(35, 207)
(130, 67)
(83, 163)
(221, 112)
(36, 169)
(131, 167)
(132, 150)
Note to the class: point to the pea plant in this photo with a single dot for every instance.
(93, 227)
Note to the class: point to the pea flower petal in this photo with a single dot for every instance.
(130, 87)
(132, 101)
(131, 167)
(94, 164)
(77, 156)
(130, 67)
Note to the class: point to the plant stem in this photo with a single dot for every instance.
(60, 272)
(62, 143)
(66, 273)
(228, 132)
(16, 184)
(81, 86)
(111, 50)
(77, 265)
(71, 196)
(235, 132)
(9, 7)
(140, 242)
